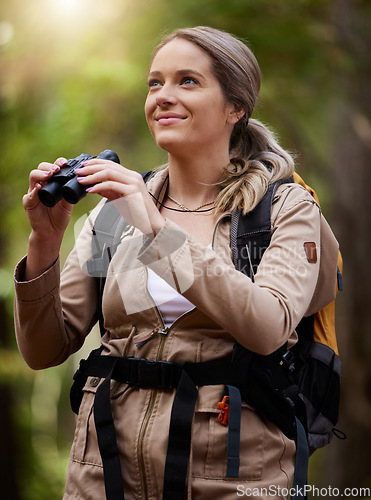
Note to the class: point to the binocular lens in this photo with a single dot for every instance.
(50, 194)
(72, 191)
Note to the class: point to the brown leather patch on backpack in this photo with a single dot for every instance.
(311, 251)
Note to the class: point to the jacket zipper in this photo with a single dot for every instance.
(164, 330)
(154, 392)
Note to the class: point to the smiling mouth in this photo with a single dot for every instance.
(169, 119)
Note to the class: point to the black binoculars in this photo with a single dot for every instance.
(64, 184)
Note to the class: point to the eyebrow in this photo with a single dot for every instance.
(181, 72)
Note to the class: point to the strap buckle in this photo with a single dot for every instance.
(288, 360)
(148, 373)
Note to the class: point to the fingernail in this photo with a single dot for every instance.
(55, 168)
(89, 189)
(80, 178)
(47, 173)
(77, 170)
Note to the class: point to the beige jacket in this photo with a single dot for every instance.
(53, 317)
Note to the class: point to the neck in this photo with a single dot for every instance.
(192, 181)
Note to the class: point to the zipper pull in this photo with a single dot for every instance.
(223, 416)
(143, 338)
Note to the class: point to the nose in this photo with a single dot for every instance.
(165, 97)
(162, 101)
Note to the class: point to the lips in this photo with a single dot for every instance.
(169, 118)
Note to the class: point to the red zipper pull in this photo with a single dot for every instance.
(223, 416)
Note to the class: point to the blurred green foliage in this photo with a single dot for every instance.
(72, 80)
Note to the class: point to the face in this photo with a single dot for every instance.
(185, 108)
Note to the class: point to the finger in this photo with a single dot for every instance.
(54, 167)
(46, 166)
(101, 161)
(96, 164)
(93, 177)
(111, 190)
(61, 161)
(93, 174)
(39, 176)
(44, 172)
(101, 176)
(31, 199)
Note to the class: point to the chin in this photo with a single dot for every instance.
(172, 145)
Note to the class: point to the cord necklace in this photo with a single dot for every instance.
(186, 209)
(182, 207)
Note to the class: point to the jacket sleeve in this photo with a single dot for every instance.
(54, 312)
(260, 315)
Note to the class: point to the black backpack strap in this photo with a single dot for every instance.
(234, 432)
(250, 234)
(301, 463)
(104, 241)
(179, 444)
(250, 237)
(107, 230)
(107, 442)
(104, 244)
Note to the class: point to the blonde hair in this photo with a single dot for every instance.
(256, 157)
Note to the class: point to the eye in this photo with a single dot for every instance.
(189, 80)
(154, 83)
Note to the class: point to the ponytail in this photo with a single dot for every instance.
(256, 161)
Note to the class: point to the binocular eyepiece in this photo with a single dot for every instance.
(64, 184)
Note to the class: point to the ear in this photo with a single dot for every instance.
(235, 114)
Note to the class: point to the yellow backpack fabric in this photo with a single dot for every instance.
(324, 320)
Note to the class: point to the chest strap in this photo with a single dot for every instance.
(143, 372)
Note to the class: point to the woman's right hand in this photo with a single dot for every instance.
(48, 224)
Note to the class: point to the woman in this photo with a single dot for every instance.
(172, 292)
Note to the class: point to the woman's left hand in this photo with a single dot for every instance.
(126, 189)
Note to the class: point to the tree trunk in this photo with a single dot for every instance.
(8, 470)
(348, 463)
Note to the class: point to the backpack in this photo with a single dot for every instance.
(298, 389)
(314, 359)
